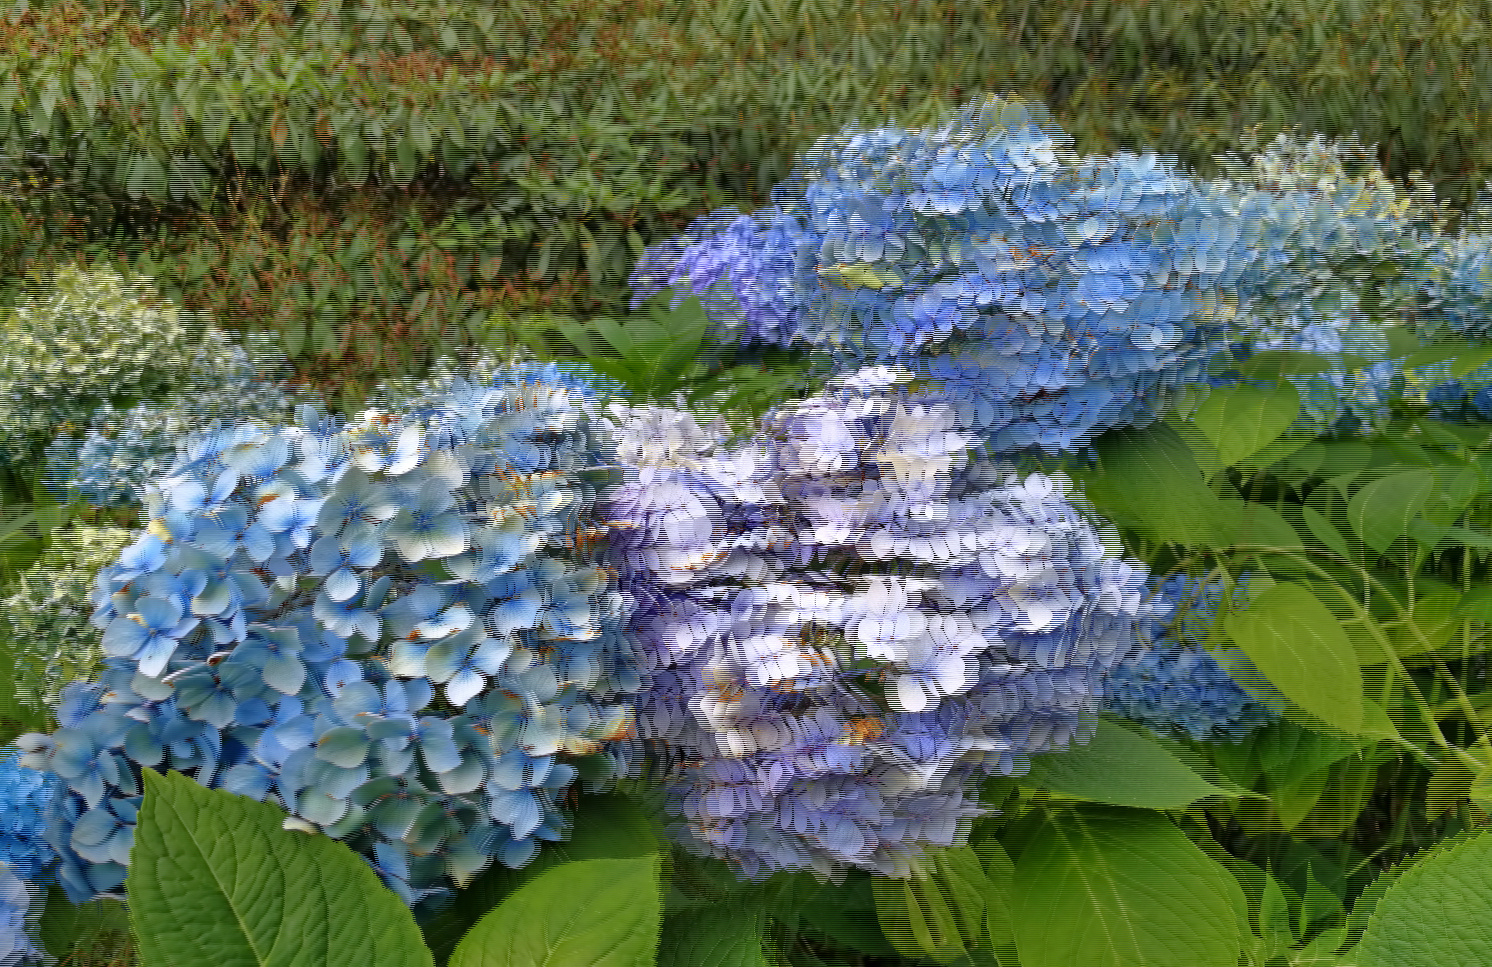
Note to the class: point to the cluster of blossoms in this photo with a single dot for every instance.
(1318, 306)
(109, 461)
(20, 909)
(397, 629)
(26, 798)
(1046, 296)
(45, 614)
(26, 860)
(1173, 683)
(845, 618)
(87, 338)
(1454, 290)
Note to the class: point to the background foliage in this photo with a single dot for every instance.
(306, 166)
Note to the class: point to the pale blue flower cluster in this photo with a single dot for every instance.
(845, 618)
(397, 629)
(1456, 288)
(109, 462)
(1046, 296)
(1172, 682)
(20, 910)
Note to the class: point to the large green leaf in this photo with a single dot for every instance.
(601, 913)
(1297, 644)
(999, 893)
(1387, 508)
(214, 879)
(1241, 420)
(67, 926)
(1384, 509)
(847, 913)
(937, 914)
(1122, 768)
(721, 936)
(1438, 913)
(1122, 889)
(607, 826)
(1150, 481)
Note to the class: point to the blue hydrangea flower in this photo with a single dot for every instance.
(328, 615)
(20, 911)
(843, 620)
(1172, 682)
(26, 798)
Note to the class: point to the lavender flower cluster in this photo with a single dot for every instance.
(844, 620)
(1173, 683)
(396, 628)
(1047, 297)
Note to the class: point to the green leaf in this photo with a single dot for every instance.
(1121, 768)
(1243, 522)
(1241, 420)
(1385, 509)
(601, 913)
(1122, 889)
(1298, 645)
(67, 926)
(937, 913)
(1274, 913)
(999, 894)
(1432, 536)
(1466, 356)
(293, 338)
(214, 879)
(1479, 790)
(719, 936)
(847, 913)
(1139, 465)
(1439, 912)
(606, 827)
(1270, 363)
(1326, 532)
(1476, 605)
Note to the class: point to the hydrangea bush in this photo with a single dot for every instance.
(846, 619)
(395, 628)
(1046, 296)
(45, 613)
(85, 338)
